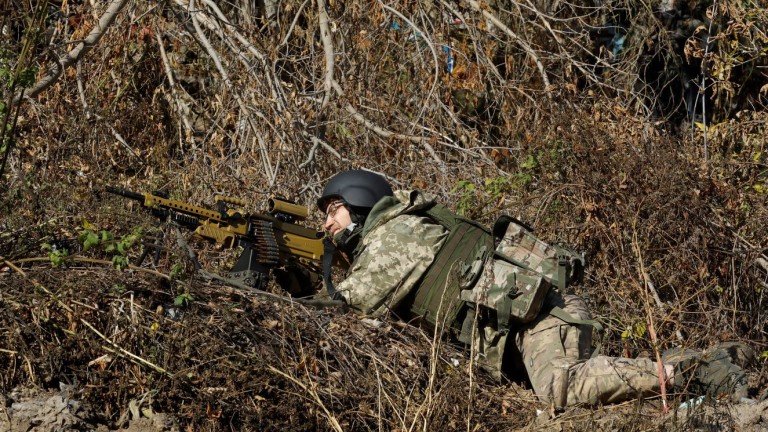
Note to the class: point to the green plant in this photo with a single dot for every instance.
(177, 271)
(525, 176)
(496, 186)
(56, 255)
(470, 204)
(183, 299)
(118, 288)
(466, 190)
(91, 238)
(635, 331)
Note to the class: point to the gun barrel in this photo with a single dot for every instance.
(126, 193)
(276, 205)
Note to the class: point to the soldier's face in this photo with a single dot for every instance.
(337, 218)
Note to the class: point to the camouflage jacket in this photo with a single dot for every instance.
(397, 247)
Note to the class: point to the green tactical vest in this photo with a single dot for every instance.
(457, 266)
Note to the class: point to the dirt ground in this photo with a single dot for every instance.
(45, 411)
(91, 348)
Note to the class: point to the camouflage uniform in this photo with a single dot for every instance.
(557, 359)
(396, 250)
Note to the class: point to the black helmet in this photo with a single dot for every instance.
(359, 189)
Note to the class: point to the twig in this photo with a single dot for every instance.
(289, 32)
(88, 114)
(172, 85)
(182, 243)
(90, 261)
(761, 260)
(260, 56)
(318, 143)
(384, 133)
(206, 44)
(523, 44)
(316, 303)
(331, 419)
(482, 298)
(66, 307)
(703, 86)
(429, 43)
(489, 64)
(649, 317)
(436, 343)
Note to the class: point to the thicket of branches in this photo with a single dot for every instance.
(632, 130)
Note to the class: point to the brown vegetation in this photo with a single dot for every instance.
(542, 116)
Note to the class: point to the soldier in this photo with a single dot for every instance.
(414, 258)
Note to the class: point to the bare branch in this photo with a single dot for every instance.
(174, 94)
(429, 43)
(203, 39)
(79, 51)
(523, 44)
(325, 35)
(384, 133)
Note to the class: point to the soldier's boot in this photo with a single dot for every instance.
(709, 373)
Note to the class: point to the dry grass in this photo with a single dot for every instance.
(601, 160)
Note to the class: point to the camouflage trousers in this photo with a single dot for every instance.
(557, 360)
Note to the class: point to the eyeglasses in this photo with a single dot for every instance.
(333, 208)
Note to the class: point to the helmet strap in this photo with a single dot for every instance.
(347, 240)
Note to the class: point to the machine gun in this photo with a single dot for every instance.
(272, 243)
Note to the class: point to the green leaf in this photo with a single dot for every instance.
(530, 163)
(57, 257)
(89, 239)
(626, 334)
(27, 76)
(120, 262)
(640, 329)
(106, 236)
(183, 299)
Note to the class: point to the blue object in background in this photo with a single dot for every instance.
(451, 62)
(617, 45)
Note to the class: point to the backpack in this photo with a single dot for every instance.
(524, 270)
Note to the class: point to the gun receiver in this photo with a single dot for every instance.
(270, 242)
